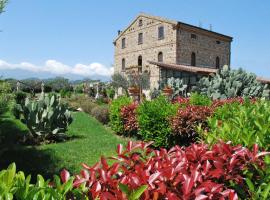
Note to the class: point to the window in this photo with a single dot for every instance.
(193, 59)
(123, 64)
(160, 57)
(140, 61)
(140, 38)
(217, 62)
(123, 43)
(140, 22)
(161, 32)
(193, 36)
(217, 42)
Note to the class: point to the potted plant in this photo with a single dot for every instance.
(134, 90)
(168, 91)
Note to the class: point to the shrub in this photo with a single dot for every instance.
(116, 122)
(244, 124)
(129, 118)
(139, 172)
(20, 97)
(154, 120)
(199, 99)
(65, 93)
(46, 118)
(80, 101)
(5, 96)
(16, 186)
(17, 110)
(184, 124)
(195, 172)
(101, 113)
(182, 101)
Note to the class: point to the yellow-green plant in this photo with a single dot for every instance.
(245, 124)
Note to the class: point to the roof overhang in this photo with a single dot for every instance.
(192, 69)
(198, 70)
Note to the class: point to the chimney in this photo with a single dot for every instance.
(119, 32)
(210, 27)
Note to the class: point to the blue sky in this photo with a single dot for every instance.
(76, 35)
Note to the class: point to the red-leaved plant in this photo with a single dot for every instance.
(185, 122)
(195, 172)
(128, 115)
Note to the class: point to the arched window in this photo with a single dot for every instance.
(193, 59)
(217, 62)
(123, 64)
(140, 61)
(160, 57)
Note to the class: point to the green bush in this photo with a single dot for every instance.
(16, 110)
(116, 122)
(65, 93)
(101, 113)
(20, 97)
(15, 185)
(5, 96)
(154, 120)
(81, 101)
(245, 124)
(199, 99)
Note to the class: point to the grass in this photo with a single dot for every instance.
(91, 140)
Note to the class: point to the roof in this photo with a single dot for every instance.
(174, 22)
(200, 70)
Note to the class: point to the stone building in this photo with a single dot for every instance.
(167, 48)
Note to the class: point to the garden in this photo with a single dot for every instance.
(81, 141)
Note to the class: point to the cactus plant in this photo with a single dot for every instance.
(46, 117)
(231, 83)
(178, 86)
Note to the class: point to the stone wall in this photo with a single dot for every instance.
(149, 49)
(205, 47)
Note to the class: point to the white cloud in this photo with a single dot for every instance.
(58, 68)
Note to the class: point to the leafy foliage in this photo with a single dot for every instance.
(129, 118)
(116, 122)
(3, 3)
(46, 117)
(120, 81)
(184, 124)
(199, 99)
(194, 172)
(16, 186)
(101, 113)
(154, 120)
(232, 83)
(141, 80)
(245, 124)
(20, 97)
(5, 96)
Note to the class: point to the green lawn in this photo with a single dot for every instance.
(91, 140)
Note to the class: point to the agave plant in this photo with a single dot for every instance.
(232, 83)
(46, 116)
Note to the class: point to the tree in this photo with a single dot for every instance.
(2, 5)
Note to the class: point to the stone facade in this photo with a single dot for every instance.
(176, 46)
